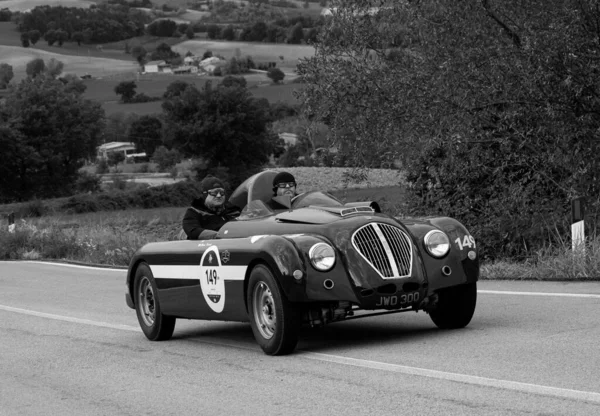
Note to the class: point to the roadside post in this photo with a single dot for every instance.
(577, 225)
(11, 222)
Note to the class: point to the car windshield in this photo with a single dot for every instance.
(255, 209)
(316, 198)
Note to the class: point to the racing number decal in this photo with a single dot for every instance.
(211, 282)
(467, 241)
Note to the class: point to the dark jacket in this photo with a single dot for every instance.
(202, 223)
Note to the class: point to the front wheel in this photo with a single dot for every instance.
(155, 325)
(275, 322)
(455, 307)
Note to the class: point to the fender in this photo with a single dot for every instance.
(462, 259)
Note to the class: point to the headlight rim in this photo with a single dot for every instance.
(311, 252)
(427, 236)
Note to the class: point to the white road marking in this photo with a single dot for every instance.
(587, 396)
(69, 319)
(76, 266)
(554, 294)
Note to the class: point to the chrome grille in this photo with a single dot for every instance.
(387, 248)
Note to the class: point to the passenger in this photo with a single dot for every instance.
(209, 212)
(284, 184)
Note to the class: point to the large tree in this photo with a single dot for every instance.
(494, 105)
(146, 133)
(47, 132)
(225, 126)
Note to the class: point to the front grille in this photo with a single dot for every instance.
(387, 248)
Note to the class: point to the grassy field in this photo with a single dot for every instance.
(102, 90)
(260, 52)
(18, 58)
(22, 5)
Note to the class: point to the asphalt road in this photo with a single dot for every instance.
(70, 346)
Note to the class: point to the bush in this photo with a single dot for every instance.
(276, 75)
(166, 159)
(33, 209)
(87, 182)
(102, 166)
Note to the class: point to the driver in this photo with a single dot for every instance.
(209, 212)
(284, 184)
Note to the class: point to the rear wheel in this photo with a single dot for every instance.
(274, 320)
(455, 307)
(155, 325)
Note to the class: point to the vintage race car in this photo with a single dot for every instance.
(316, 262)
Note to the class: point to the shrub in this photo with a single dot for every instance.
(276, 75)
(166, 159)
(87, 182)
(102, 166)
(33, 209)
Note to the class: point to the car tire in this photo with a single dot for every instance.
(455, 306)
(155, 325)
(274, 320)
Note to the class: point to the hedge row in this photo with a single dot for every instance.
(175, 195)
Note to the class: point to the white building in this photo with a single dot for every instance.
(155, 66)
(124, 147)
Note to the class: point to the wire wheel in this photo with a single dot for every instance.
(264, 310)
(146, 301)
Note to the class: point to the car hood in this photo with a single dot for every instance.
(320, 215)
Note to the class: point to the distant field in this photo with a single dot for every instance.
(260, 52)
(21, 5)
(97, 67)
(103, 91)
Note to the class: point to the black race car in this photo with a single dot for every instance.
(315, 262)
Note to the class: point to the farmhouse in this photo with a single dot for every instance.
(124, 147)
(155, 66)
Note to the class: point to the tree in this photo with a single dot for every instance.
(175, 89)
(35, 67)
(114, 158)
(25, 39)
(54, 67)
(296, 34)
(46, 133)
(189, 32)
(146, 133)
(77, 37)
(225, 126)
(126, 89)
(139, 53)
(492, 106)
(213, 31)
(73, 84)
(34, 36)
(229, 33)
(231, 81)
(6, 74)
(165, 158)
(61, 36)
(50, 37)
(275, 74)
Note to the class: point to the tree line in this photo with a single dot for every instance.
(98, 24)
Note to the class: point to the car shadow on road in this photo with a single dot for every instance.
(352, 333)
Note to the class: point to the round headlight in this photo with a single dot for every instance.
(322, 256)
(437, 243)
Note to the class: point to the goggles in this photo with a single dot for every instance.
(286, 185)
(216, 191)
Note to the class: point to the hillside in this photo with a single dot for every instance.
(80, 65)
